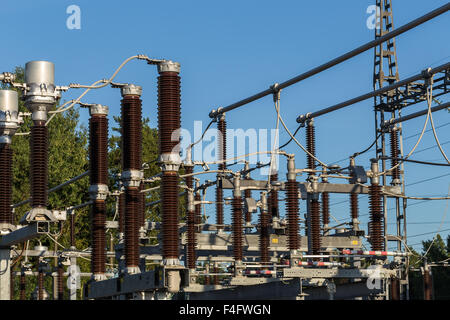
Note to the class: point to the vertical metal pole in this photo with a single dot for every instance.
(73, 288)
(5, 274)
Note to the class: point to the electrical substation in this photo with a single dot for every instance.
(282, 256)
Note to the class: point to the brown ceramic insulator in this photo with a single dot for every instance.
(315, 226)
(325, 208)
(273, 198)
(207, 280)
(376, 218)
(427, 285)
(6, 215)
(169, 111)
(131, 113)
(40, 285)
(131, 227)
(354, 211)
(98, 233)
(311, 145)
(98, 149)
(292, 214)
(222, 142)
(216, 277)
(394, 154)
(248, 215)
(169, 197)
(219, 207)
(237, 229)
(60, 282)
(395, 289)
(121, 212)
(39, 164)
(264, 238)
(191, 240)
(22, 286)
(198, 212)
(189, 179)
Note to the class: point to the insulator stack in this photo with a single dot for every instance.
(131, 117)
(292, 214)
(98, 223)
(60, 282)
(22, 285)
(315, 226)
(131, 113)
(131, 227)
(354, 211)
(216, 277)
(121, 212)
(264, 238)
(98, 177)
(222, 141)
(198, 211)
(191, 239)
(273, 198)
(169, 192)
(222, 152)
(169, 110)
(169, 121)
(6, 215)
(311, 145)
(40, 284)
(190, 221)
(248, 215)
(376, 218)
(98, 149)
(39, 164)
(394, 155)
(395, 289)
(325, 208)
(237, 229)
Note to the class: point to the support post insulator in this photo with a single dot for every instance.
(98, 155)
(39, 164)
(273, 198)
(23, 285)
(169, 194)
(264, 238)
(376, 218)
(98, 223)
(222, 151)
(198, 212)
(354, 206)
(237, 228)
(131, 227)
(427, 284)
(394, 156)
(292, 214)
(6, 215)
(311, 145)
(169, 121)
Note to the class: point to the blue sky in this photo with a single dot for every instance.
(231, 49)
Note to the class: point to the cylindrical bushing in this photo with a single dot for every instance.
(39, 164)
(98, 233)
(292, 214)
(237, 228)
(6, 215)
(40, 72)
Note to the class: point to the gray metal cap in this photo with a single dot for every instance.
(40, 72)
(9, 114)
(131, 89)
(98, 109)
(169, 66)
